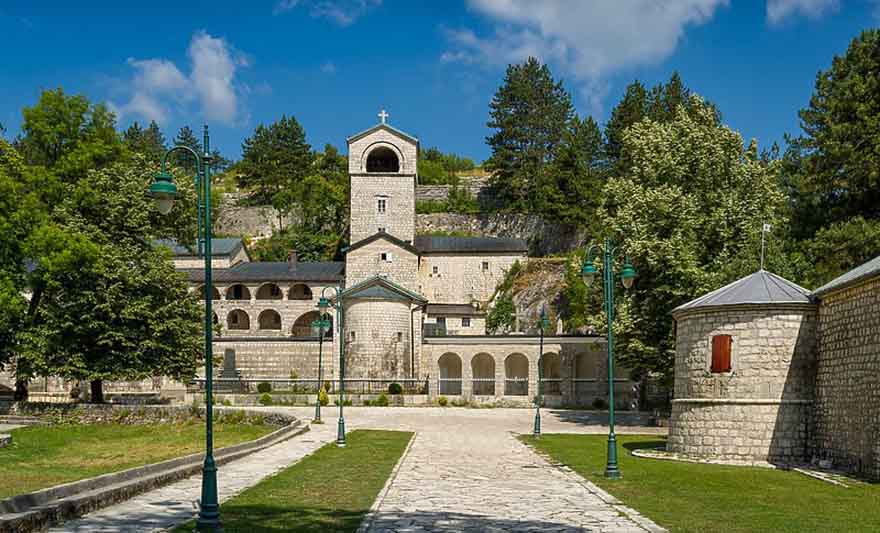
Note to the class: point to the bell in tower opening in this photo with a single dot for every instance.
(383, 159)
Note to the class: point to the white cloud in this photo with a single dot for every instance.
(779, 10)
(342, 12)
(159, 88)
(328, 68)
(587, 39)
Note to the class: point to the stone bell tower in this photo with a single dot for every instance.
(382, 168)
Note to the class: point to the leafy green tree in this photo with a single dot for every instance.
(275, 160)
(68, 135)
(660, 103)
(529, 115)
(435, 167)
(687, 206)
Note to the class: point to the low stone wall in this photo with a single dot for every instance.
(740, 430)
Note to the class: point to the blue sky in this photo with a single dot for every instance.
(433, 64)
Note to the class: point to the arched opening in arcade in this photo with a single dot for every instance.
(483, 372)
(269, 291)
(238, 320)
(304, 326)
(450, 374)
(238, 292)
(551, 373)
(516, 375)
(270, 320)
(300, 291)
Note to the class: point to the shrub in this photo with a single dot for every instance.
(264, 387)
(366, 403)
(323, 398)
(327, 386)
(442, 401)
(226, 402)
(381, 401)
(265, 399)
(395, 388)
(599, 404)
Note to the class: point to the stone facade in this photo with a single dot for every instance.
(380, 338)
(463, 278)
(399, 264)
(847, 404)
(759, 410)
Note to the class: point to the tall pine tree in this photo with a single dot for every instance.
(530, 113)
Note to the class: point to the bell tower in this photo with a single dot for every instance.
(382, 169)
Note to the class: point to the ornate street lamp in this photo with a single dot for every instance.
(538, 397)
(627, 277)
(164, 192)
(322, 323)
(324, 304)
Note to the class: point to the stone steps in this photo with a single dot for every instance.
(39, 510)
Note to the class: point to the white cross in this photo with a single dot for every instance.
(383, 115)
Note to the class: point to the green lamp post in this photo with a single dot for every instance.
(322, 323)
(164, 192)
(627, 277)
(538, 397)
(324, 304)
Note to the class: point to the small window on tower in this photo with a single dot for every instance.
(435, 270)
(721, 353)
(466, 322)
(385, 256)
(381, 230)
(382, 204)
(399, 336)
(352, 336)
(485, 266)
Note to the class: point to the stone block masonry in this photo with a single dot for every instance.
(847, 407)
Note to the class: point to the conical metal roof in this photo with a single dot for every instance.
(760, 288)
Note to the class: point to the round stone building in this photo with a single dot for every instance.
(744, 372)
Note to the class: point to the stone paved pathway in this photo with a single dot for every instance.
(464, 471)
(174, 504)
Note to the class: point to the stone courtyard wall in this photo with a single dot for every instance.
(759, 411)
(460, 278)
(847, 408)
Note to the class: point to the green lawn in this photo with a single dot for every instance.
(707, 498)
(43, 456)
(328, 491)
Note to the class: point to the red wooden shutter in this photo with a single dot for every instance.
(721, 353)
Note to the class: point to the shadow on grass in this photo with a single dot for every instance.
(268, 518)
(600, 418)
(645, 445)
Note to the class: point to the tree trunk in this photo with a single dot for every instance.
(21, 390)
(97, 386)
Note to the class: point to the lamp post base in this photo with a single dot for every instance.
(209, 508)
(537, 431)
(340, 433)
(611, 469)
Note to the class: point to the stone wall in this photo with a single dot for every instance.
(461, 278)
(253, 221)
(377, 334)
(740, 430)
(758, 411)
(278, 358)
(401, 265)
(847, 407)
(476, 186)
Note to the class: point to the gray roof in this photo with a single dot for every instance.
(856, 275)
(274, 271)
(382, 235)
(760, 288)
(442, 244)
(379, 126)
(452, 309)
(381, 288)
(219, 246)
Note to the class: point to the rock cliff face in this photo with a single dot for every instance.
(256, 222)
(544, 237)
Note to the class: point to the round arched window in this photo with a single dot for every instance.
(383, 159)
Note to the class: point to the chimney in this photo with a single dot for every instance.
(291, 259)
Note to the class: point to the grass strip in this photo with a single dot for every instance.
(690, 497)
(44, 456)
(328, 491)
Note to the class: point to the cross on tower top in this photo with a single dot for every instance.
(383, 115)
